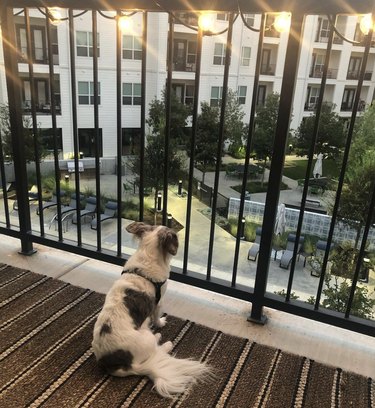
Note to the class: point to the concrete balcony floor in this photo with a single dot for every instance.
(321, 342)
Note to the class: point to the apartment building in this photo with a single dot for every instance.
(343, 72)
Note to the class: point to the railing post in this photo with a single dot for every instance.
(14, 89)
(277, 163)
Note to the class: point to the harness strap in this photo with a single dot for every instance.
(157, 285)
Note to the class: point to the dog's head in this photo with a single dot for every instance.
(162, 237)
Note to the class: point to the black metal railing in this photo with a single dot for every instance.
(230, 281)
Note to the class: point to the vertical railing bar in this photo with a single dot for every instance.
(75, 124)
(343, 166)
(4, 184)
(54, 127)
(314, 138)
(119, 128)
(275, 176)
(248, 146)
(96, 125)
(14, 88)
(228, 52)
(34, 119)
(361, 253)
(167, 132)
(143, 116)
(198, 60)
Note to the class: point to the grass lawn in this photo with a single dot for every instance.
(296, 169)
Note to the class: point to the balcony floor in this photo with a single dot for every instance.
(323, 343)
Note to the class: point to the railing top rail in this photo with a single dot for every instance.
(298, 6)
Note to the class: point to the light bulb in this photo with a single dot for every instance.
(55, 15)
(206, 21)
(125, 24)
(282, 22)
(366, 23)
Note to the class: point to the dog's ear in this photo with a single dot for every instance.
(168, 241)
(138, 228)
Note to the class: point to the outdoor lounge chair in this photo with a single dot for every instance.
(110, 211)
(316, 262)
(52, 202)
(88, 211)
(254, 250)
(287, 256)
(33, 196)
(69, 209)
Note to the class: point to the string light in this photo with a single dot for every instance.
(282, 22)
(125, 23)
(55, 15)
(366, 23)
(206, 21)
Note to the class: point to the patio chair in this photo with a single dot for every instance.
(320, 250)
(88, 211)
(254, 250)
(52, 202)
(110, 211)
(287, 256)
(69, 209)
(33, 196)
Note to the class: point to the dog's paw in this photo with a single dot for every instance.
(167, 346)
(161, 322)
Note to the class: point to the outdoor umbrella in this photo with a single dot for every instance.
(280, 220)
(318, 168)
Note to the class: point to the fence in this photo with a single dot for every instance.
(79, 80)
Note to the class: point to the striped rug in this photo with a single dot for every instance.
(46, 359)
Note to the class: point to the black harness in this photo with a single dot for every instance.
(157, 285)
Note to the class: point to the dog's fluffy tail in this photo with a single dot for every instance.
(172, 375)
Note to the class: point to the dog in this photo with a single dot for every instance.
(123, 341)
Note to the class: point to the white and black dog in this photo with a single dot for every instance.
(123, 342)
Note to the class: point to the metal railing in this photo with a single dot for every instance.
(230, 283)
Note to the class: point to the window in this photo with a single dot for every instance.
(85, 44)
(219, 54)
(131, 94)
(86, 93)
(131, 141)
(318, 65)
(222, 16)
(185, 93)
(216, 94)
(323, 30)
(250, 19)
(241, 95)
(47, 139)
(39, 52)
(245, 56)
(87, 142)
(41, 94)
(348, 99)
(354, 67)
(261, 97)
(312, 97)
(131, 47)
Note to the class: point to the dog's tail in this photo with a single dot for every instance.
(172, 375)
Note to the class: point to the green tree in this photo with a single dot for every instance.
(265, 127)
(179, 115)
(206, 138)
(234, 128)
(28, 137)
(331, 134)
(154, 168)
(336, 295)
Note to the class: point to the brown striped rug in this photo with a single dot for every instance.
(46, 359)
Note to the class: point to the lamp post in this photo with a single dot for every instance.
(66, 179)
(169, 220)
(179, 193)
(243, 221)
(158, 208)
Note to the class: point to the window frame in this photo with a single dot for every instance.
(89, 95)
(219, 57)
(88, 46)
(135, 53)
(133, 98)
(245, 58)
(216, 100)
(240, 97)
